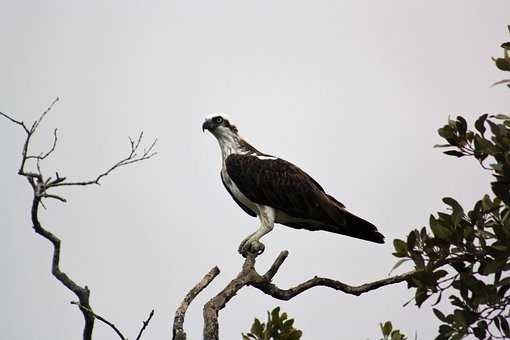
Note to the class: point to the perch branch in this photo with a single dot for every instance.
(250, 277)
(178, 329)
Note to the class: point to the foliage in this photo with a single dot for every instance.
(468, 253)
(277, 327)
(504, 63)
(391, 334)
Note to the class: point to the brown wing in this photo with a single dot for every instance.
(282, 185)
(278, 184)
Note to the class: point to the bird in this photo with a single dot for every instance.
(277, 191)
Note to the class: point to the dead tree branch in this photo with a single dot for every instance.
(144, 325)
(40, 186)
(178, 332)
(250, 277)
(131, 158)
(100, 318)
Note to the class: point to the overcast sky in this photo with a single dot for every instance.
(351, 91)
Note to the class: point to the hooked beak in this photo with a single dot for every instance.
(208, 125)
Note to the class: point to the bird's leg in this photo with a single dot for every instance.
(244, 242)
(251, 244)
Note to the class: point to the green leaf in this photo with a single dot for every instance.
(444, 329)
(386, 328)
(502, 190)
(502, 63)
(501, 117)
(400, 246)
(454, 153)
(492, 267)
(257, 328)
(504, 326)
(398, 264)
(486, 203)
(275, 315)
(461, 125)
(480, 330)
(439, 231)
(411, 240)
(480, 123)
(457, 210)
(439, 314)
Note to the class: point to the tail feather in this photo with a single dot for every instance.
(349, 224)
(359, 228)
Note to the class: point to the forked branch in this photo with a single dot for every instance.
(40, 186)
(250, 277)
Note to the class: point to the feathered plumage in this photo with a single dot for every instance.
(278, 191)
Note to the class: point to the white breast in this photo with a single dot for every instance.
(237, 193)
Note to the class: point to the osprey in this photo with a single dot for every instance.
(277, 191)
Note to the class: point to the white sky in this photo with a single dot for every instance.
(351, 91)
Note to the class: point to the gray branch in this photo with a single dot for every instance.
(145, 324)
(40, 186)
(250, 277)
(131, 158)
(83, 293)
(178, 328)
(100, 318)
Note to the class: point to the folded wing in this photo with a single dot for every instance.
(282, 185)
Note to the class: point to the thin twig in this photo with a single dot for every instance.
(131, 158)
(145, 324)
(20, 123)
(100, 318)
(48, 109)
(42, 156)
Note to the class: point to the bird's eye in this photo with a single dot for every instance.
(218, 120)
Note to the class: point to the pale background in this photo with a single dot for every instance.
(351, 91)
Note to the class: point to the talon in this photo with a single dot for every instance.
(244, 248)
(257, 247)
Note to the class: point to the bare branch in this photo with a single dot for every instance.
(178, 329)
(249, 277)
(276, 265)
(100, 318)
(145, 324)
(83, 293)
(287, 294)
(49, 152)
(48, 109)
(40, 185)
(504, 81)
(61, 199)
(20, 123)
(30, 133)
(130, 159)
(211, 309)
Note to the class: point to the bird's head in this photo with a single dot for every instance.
(219, 125)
